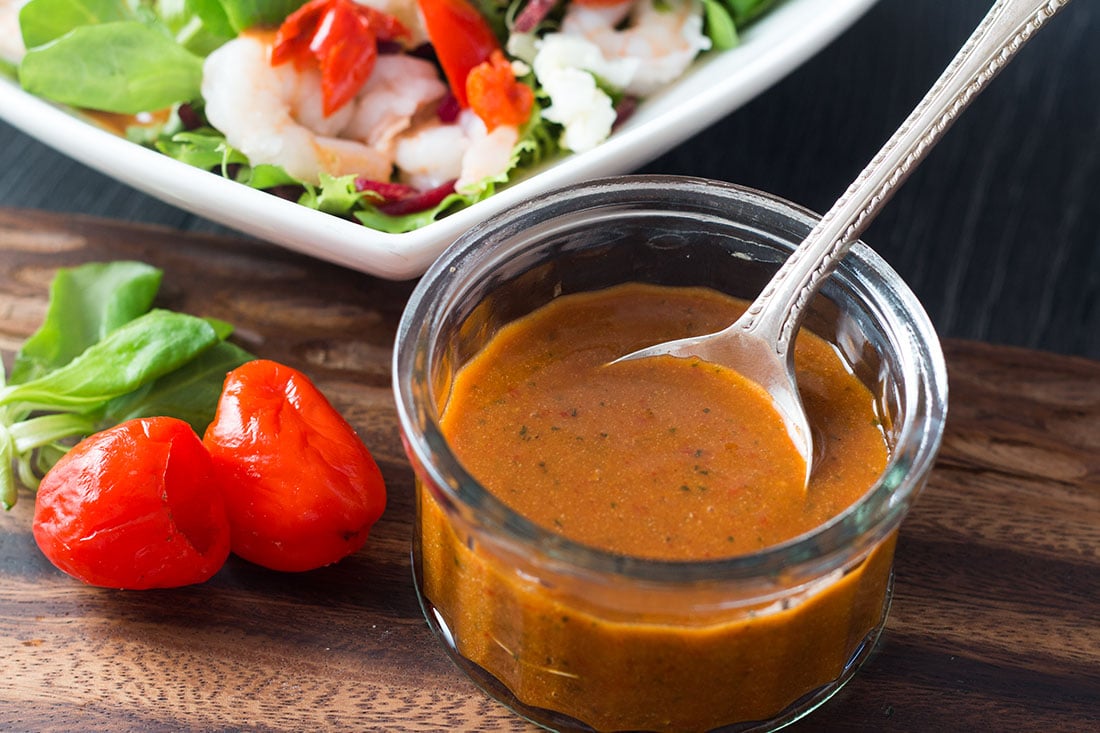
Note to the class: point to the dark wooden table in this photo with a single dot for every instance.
(995, 623)
(998, 232)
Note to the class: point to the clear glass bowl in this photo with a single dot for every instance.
(746, 643)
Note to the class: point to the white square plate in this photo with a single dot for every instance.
(718, 84)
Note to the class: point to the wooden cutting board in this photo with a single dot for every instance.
(995, 623)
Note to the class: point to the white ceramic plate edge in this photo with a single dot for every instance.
(788, 36)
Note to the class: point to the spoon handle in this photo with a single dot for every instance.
(777, 311)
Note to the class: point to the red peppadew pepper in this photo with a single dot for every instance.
(461, 37)
(342, 37)
(301, 489)
(134, 507)
(496, 96)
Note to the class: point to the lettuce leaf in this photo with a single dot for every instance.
(335, 195)
(204, 148)
(86, 303)
(42, 21)
(123, 66)
(101, 355)
(245, 14)
(200, 26)
(725, 18)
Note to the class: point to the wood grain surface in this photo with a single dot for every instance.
(995, 623)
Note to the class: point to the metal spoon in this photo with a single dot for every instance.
(758, 345)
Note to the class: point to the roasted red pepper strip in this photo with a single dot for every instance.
(135, 507)
(496, 96)
(461, 37)
(533, 13)
(397, 199)
(385, 190)
(300, 488)
(418, 202)
(342, 37)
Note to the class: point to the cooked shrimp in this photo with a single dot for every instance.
(399, 88)
(11, 38)
(488, 155)
(273, 114)
(430, 155)
(657, 46)
(435, 153)
(663, 37)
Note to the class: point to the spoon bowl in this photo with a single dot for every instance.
(758, 345)
(743, 348)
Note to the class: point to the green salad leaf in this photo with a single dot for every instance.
(245, 14)
(266, 176)
(204, 148)
(335, 195)
(200, 26)
(85, 304)
(146, 348)
(746, 11)
(724, 19)
(42, 21)
(103, 355)
(189, 393)
(124, 66)
(720, 25)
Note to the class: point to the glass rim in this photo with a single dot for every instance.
(853, 532)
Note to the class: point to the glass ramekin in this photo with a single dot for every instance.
(575, 638)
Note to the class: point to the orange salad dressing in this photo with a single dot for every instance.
(670, 459)
(122, 124)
